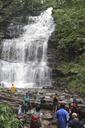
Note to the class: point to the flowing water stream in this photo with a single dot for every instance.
(24, 59)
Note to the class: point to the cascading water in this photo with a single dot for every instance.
(24, 59)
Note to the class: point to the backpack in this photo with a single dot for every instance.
(35, 121)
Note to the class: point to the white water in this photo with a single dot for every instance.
(24, 59)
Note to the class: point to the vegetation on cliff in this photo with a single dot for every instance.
(16, 8)
(70, 42)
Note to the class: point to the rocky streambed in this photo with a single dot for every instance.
(43, 97)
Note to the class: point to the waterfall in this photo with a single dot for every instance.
(24, 59)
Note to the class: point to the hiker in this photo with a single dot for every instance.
(36, 118)
(13, 88)
(69, 100)
(74, 109)
(74, 99)
(74, 122)
(26, 103)
(55, 102)
(62, 116)
(20, 113)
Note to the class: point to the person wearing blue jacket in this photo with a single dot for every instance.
(62, 116)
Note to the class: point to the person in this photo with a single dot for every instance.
(69, 100)
(36, 118)
(55, 102)
(13, 88)
(20, 110)
(74, 99)
(62, 116)
(26, 103)
(74, 109)
(74, 122)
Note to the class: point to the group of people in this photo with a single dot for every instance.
(35, 120)
(67, 116)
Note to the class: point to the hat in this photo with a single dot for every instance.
(62, 102)
(74, 115)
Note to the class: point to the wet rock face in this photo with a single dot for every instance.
(14, 30)
(57, 57)
(52, 55)
(15, 27)
(54, 58)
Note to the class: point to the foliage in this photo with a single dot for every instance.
(73, 32)
(13, 8)
(70, 41)
(7, 117)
